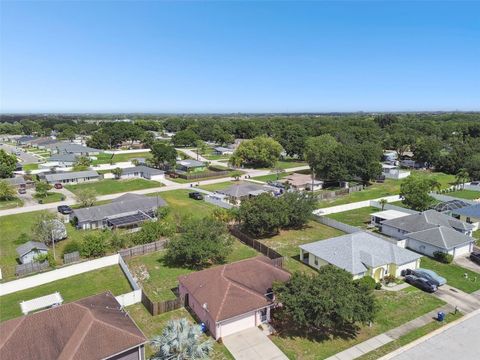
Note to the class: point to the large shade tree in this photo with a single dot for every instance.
(259, 152)
(8, 163)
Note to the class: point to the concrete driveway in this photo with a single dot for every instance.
(467, 263)
(465, 302)
(252, 344)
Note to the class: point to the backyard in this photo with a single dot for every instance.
(465, 194)
(358, 217)
(181, 205)
(71, 289)
(105, 158)
(111, 186)
(395, 309)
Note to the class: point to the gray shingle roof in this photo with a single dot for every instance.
(145, 170)
(125, 204)
(471, 211)
(19, 180)
(63, 157)
(442, 237)
(189, 163)
(29, 246)
(359, 251)
(71, 175)
(222, 149)
(426, 220)
(243, 189)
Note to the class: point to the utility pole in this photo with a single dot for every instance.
(53, 244)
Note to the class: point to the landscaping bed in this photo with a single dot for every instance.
(111, 186)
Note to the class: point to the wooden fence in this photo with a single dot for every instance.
(71, 257)
(257, 245)
(160, 307)
(143, 249)
(28, 268)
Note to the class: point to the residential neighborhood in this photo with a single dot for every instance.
(261, 180)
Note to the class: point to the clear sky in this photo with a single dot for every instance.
(239, 56)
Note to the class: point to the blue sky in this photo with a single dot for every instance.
(239, 56)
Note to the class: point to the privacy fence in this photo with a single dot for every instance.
(160, 307)
(349, 229)
(143, 249)
(32, 267)
(333, 194)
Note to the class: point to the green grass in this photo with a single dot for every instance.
(29, 167)
(111, 186)
(181, 205)
(476, 235)
(465, 194)
(454, 274)
(217, 186)
(395, 309)
(409, 337)
(210, 155)
(154, 325)
(105, 158)
(50, 198)
(358, 217)
(71, 289)
(271, 177)
(8, 204)
(163, 278)
(286, 164)
(287, 242)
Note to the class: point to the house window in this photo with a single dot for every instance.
(316, 261)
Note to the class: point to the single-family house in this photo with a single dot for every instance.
(469, 214)
(220, 150)
(429, 232)
(142, 171)
(127, 211)
(93, 328)
(394, 172)
(25, 140)
(390, 156)
(72, 177)
(302, 182)
(28, 251)
(190, 165)
(62, 160)
(72, 148)
(360, 254)
(17, 182)
(232, 297)
(377, 218)
(242, 190)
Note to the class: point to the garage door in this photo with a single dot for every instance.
(238, 324)
(464, 250)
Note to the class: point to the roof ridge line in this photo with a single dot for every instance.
(13, 331)
(225, 294)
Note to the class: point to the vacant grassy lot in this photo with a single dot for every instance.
(29, 167)
(104, 158)
(50, 198)
(395, 309)
(71, 289)
(465, 194)
(181, 205)
(163, 278)
(154, 325)
(8, 204)
(111, 186)
(287, 242)
(454, 274)
(218, 186)
(357, 217)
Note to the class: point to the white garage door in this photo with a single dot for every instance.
(238, 324)
(464, 250)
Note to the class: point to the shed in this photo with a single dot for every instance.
(30, 250)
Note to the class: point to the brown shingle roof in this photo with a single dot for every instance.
(88, 329)
(234, 289)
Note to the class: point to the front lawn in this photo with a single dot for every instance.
(271, 177)
(454, 274)
(163, 278)
(154, 325)
(358, 217)
(50, 198)
(181, 205)
(217, 186)
(111, 186)
(287, 242)
(395, 309)
(8, 204)
(71, 289)
(465, 194)
(105, 158)
(30, 167)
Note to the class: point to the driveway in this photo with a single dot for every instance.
(252, 344)
(467, 263)
(465, 302)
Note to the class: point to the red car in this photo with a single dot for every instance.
(58, 186)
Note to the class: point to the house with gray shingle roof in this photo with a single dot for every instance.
(30, 250)
(361, 254)
(72, 177)
(469, 214)
(431, 231)
(142, 171)
(62, 160)
(242, 190)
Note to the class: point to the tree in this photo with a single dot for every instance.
(152, 231)
(329, 301)
(259, 152)
(86, 197)
(382, 203)
(201, 147)
(415, 192)
(8, 163)
(297, 207)
(427, 150)
(163, 154)
(322, 154)
(292, 138)
(472, 165)
(461, 177)
(41, 188)
(262, 215)
(44, 228)
(117, 172)
(202, 242)
(182, 341)
(94, 244)
(7, 191)
(185, 138)
(82, 163)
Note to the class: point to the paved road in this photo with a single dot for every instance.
(24, 157)
(458, 340)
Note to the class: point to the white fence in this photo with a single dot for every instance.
(396, 174)
(472, 187)
(392, 207)
(349, 229)
(353, 206)
(442, 197)
(133, 151)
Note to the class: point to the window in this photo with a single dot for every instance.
(316, 261)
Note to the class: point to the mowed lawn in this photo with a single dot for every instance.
(154, 325)
(454, 274)
(71, 289)
(111, 186)
(163, 278)
(218, 186)
(271, 177)
(287, 241)
(8, 204)
(181, 205)
(465, 194)
(104, 158)
(50, 198)
(358, 217)
(395, 309)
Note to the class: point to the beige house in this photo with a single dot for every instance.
(302, 182)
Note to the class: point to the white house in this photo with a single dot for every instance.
(30, 250)
(72, 177)
(142, 171)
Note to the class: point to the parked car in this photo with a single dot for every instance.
(64, 209)
(58, 186)
(22, 191)
(421, 283)
(476, 183)
(429, 275)
(195, 195)
(475, 257)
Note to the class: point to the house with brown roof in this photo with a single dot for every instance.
(92, 328)
(232, 297)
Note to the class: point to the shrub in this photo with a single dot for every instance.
(71, 247)
(94, 245)
(443, 257)
(118, 241)
(367, 281)
(389, 279)
(153, 231)
(46, 257)
(378, 286)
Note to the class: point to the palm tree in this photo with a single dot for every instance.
(461, 177)
(181, 340)
(382, 203)
(435, 185)
(117, 172)
(277, 170)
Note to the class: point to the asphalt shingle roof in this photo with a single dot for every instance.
(145, 170)
(29, 246)
(63, 157)
(359, 251)
(71, 175)
(191, 163)
(442, 237)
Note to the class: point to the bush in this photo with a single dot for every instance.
(153, 231)
(46, 257)
(443, 257)
(378, 286)
(389, 279)
(367, 281)
(71, 247)
(118, 241)
(94, 245)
